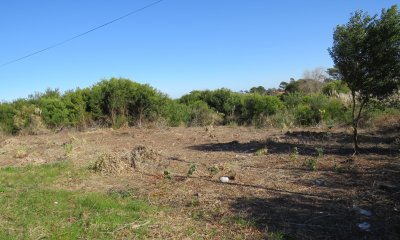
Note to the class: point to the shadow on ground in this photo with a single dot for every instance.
(307, 142)
(299, 217)
(328, 216)
(331, 210)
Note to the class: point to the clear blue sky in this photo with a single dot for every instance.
(176, 46)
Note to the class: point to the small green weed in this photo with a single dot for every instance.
(261, 151)
(195, 202)
(121, 193)
(198, 215)
(294, 155)
(239, 220)
(311, 163)
(213, 170)
(192, 169)
(338, 168)
(68, 148)
(320, 152)
(276, 235)
(167, 174)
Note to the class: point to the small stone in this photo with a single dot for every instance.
(364, 226)
(363, 211)
(320, 182)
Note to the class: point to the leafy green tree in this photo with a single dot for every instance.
(366, 51)
(333, 74)
(306, 86)
(260, 90)
(283, 85)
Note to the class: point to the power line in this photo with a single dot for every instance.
(81, 34)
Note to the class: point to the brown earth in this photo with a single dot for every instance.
(274, 194)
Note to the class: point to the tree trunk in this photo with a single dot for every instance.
(355, 145)
(355, 141)
(356, 120)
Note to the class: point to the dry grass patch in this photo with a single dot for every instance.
(118, 163)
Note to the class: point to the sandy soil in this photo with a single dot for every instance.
(273, 193)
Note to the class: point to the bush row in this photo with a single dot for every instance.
(121, 102)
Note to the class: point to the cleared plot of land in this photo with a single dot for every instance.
(298, 184)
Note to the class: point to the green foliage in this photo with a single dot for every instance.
(279, 235)
(202, 115)
(259, 90)
(366, 52)
(320, 151)
(54, 111)
(167, 174)
(176, 113)
(304, 115)
(213, 170)
(256, 108)
(334, 74)
(311, 163)
(119, 102)
(335, 111)
(282, 119)
(76, 107)
(191, 170)
(7, 113)
(312, 109)
(294, 154)
(338, 168)
(68, 148)
(261, 151)
(305, 86)
(335, 87)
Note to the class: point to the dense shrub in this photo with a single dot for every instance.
(176, 113)
(7, 114)
(54, 112)
(304, 115)
(334, 87)
(256, 108)
(76, 108)
(292, 100)
(120, 102)
(201, 115)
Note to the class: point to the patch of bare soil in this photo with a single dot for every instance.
(297, 184)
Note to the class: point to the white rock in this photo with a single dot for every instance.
(364, 226)
(224, 179)
(363, 211)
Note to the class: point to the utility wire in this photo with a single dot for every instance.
(80, 35)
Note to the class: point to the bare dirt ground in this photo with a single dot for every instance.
(274, 194)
